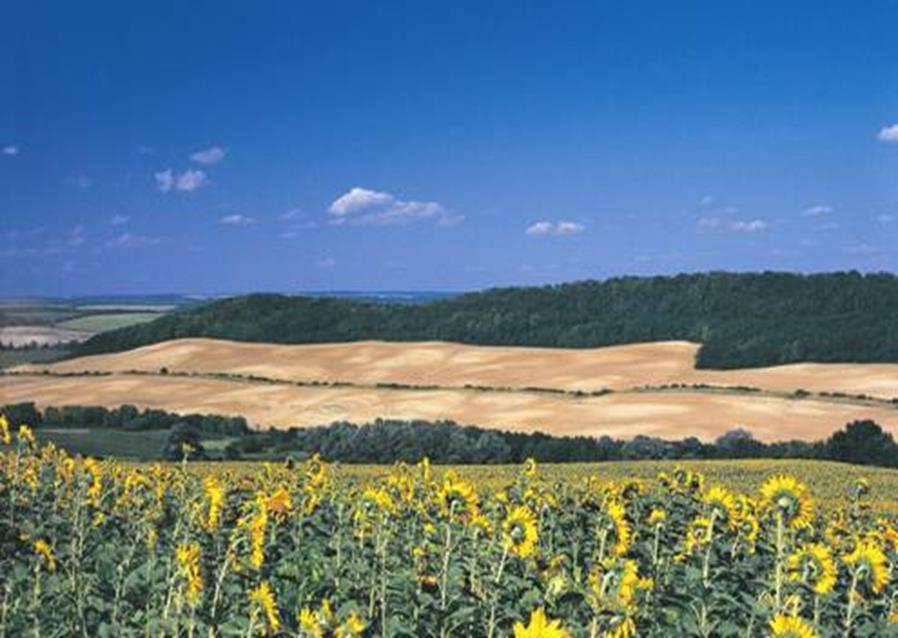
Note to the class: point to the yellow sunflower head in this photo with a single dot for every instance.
(870, 565)
(699, 533)
(614, 584)
(519, 531)
(721, 502)
(814, 566)
(782, 626)
(617, 528)
(786, 497)
(540, 627)
(457, 497)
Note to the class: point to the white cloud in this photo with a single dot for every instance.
(562, 227)
(82, 182)
(364, 206)
(885, 219)
(188, 181)
(709, 222)
(888, 133)
(127, 240)
(237, 220)
(165, 180)
(817, 211)
(707, 200)
(119, 220)
(10, 150)
(209, 156)
(191, 179)
(751, 226)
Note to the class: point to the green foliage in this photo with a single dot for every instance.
(740, 319)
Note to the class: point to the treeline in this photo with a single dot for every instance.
(388, 441)
(446, 442)
(749, 319)
(125, 417)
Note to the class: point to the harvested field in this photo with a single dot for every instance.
(455, 365)
(669, 415)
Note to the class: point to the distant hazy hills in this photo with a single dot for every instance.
(741, 319)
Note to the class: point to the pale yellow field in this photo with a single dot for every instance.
(454, 365)
(670, 415)
(451, 366)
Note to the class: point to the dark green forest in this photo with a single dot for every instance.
(741, 319)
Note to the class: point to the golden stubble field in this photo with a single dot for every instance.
(450, 367)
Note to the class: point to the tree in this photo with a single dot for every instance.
(183, 440)
(23, 414)
(862, 442)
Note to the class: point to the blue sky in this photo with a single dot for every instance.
(236, 146)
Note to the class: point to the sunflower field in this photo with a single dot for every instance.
(91, 548)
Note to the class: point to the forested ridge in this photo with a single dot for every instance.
(741, 319)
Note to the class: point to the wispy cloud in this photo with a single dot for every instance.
(326, 262)
(363, 206)
(293, 213)
(706, 201)
(748, 226)
(736, 226)
(237, 220)
(10, 150)
(119, 220)
(81, 181)
(818, 210)
(209, 156)
(76, 236)
(561, 227)
(128, 240)
(708, 223)
(888, 133)
(188, 181)
(885, 218)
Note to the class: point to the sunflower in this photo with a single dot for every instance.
(700, 533)
(614, 584)
(540, 627)
(722, 503)
(791, 627)
(5, 436)
(656, 517)
(42, 548)
(814, 565)
(257, 526)
(264, 598)
(519, 531)
(530, 468)
(309, 625)
(787, 497)
(352, 627)
(748, 528)
(26, 436)
(215, 496)
(456, 496)
(279, 503)
(870, 565)
(188, 555)
(626, 628)
(616, 528)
